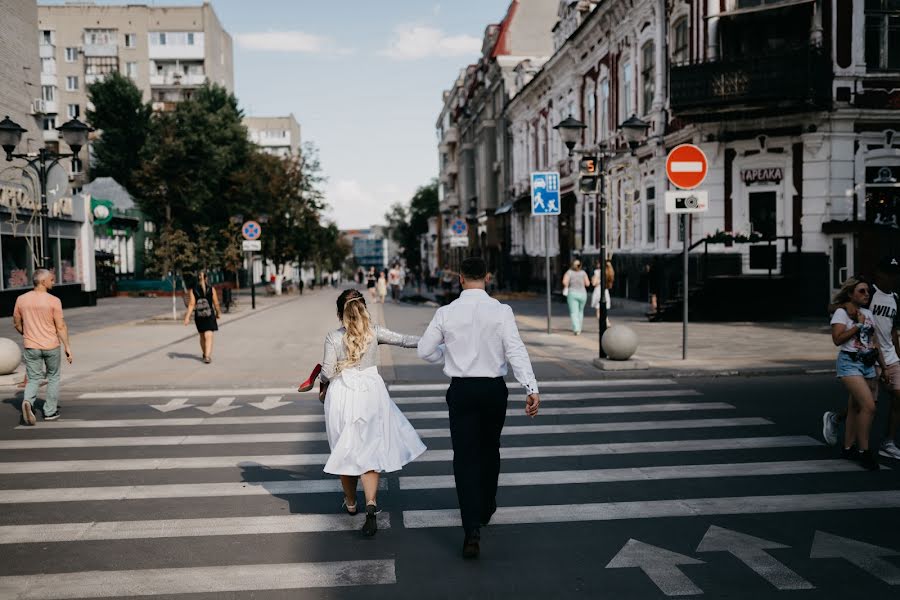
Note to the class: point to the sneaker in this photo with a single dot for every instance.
(889, 450)
(28, 414)
(850, 453)
(868, 461)
(370, 527)
(52, 417)
(829, 428)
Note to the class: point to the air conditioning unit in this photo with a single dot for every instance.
(38, 106)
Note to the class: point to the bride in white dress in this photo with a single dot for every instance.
(367, 433)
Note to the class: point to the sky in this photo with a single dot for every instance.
(362, 77)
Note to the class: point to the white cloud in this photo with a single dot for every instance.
(412, 42)
(289, 41)
(354, 206)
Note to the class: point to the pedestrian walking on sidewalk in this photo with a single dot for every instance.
(203, 303)
(887, 333)
(38, 316)
(367, 433)
(853, 330)
(371, 280)
(394, 279)
(477, 337)
(599, 293)
(381, 287)
(575, 284)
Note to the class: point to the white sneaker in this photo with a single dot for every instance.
(829, 428)
(889, 449)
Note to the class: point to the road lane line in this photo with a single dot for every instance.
(566, 396)
(650, 509)
(319, 436)
(179, 528)
(433, 414)
(434, 387)
(509, 453)
(199, 580)
(432, 482)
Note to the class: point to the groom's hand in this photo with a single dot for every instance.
(532, 402)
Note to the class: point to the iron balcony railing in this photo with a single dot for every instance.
(798, 79)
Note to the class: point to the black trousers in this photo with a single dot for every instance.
(477, 412)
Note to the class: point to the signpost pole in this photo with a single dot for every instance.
(252, 278)
(684, 328)
(547, 265)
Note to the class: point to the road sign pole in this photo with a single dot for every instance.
(684, 328)
(547, 264)
(252, 278)
(601, 313)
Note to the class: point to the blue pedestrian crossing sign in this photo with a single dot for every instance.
(545, 194)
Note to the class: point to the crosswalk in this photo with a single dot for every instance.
(240, 500)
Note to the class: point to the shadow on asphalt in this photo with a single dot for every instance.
(268, 478)
(182, 355)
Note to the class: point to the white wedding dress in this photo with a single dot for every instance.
(366, 431)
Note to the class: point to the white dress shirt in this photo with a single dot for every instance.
(476, 336)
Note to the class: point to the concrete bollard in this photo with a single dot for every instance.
(619, 342)
(10, 356)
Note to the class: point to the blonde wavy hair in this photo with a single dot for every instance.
(845, 294)
(352, 312)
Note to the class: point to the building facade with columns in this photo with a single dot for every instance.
(794, 103)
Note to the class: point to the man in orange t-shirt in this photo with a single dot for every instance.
(38, 317)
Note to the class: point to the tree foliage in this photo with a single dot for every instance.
(407, 223)
(123, 119)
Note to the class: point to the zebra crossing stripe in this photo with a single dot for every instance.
(434, 387)
(199, 580)
(433, 482)
(180, 528)
(283, 460)
(318, 436)
(175, 490)
(651, 509)
(400, 400)
(318, 418)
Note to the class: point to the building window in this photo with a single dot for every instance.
(69, 273)
(627, 90)
(49, 123)
(680, 224)
(190, 39)
(131, 69)
(131, 40)
(48, 66)
(883, 34)
(77, 166)
(71, 83)
(48, 92)
(590, 110)
(680, 47)
(589, 226)
(100, 37)
(46, 37)
(100, 66)
(648, 77)
(74, 111)
(16, 264)
(158, 38)
(604, 109)
(71, 55)
(651, 215)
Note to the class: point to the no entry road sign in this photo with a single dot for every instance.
(686, 166)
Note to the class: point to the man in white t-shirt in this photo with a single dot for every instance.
(887, 329)
(394, 282)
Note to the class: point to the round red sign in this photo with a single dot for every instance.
(686, 166)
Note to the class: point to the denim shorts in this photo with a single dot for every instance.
(847, 367)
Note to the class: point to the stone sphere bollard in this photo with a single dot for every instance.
(10, 356)
(619, 342)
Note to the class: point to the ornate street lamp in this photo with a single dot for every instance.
(634, 130)
(570, 130)
(75, 134)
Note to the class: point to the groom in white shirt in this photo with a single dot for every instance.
(477, 337)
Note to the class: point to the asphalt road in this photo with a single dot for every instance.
(620, 489)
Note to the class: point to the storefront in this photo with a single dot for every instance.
(71, 242)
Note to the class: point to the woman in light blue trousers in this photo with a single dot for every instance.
(575, 283)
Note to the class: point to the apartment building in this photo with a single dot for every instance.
(279, 136)
(168, 51)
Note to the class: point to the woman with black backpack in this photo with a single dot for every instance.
(204, 305)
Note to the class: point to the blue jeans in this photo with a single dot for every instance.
(576, 302)
(35, 361)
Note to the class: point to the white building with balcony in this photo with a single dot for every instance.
(279, 136)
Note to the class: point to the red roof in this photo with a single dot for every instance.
(501, 47)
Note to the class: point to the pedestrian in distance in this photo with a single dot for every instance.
(395, 281)
(203, 304)
(38, 316)
(371, 279)
(887, 332)
(381, 287)
(853, 331)
(599, 293)
(477, 338)
(367, 433)
(300, 285)
(575, 283)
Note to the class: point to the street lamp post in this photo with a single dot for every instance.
(633, 130)
(75, 134)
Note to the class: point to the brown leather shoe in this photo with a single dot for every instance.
(472, 545)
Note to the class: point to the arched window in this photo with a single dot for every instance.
(648, 76)
(680, 46)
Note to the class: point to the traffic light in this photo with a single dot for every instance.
(588, 175)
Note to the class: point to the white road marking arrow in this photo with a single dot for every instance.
(865, 556)
(173, 404)
(660, 565)
(752, 552)
(219, 406)
(270, 402)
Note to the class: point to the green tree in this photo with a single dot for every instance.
(406, 224)
(123, 119)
